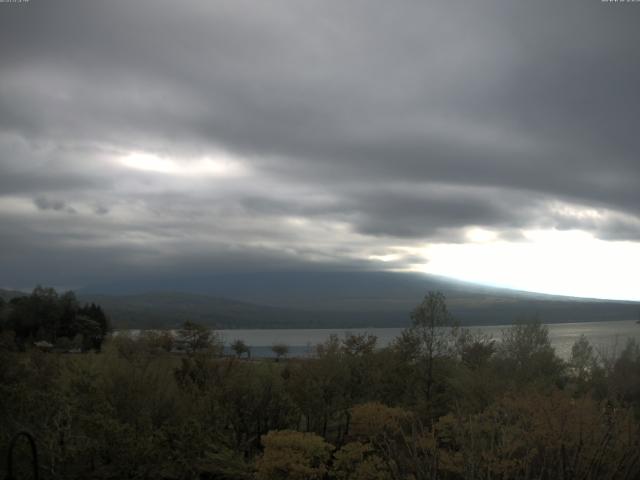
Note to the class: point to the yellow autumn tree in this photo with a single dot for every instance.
(293, 455)
(398, 439)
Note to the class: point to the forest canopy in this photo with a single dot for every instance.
(439, 402)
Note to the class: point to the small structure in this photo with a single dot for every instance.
(43, 345)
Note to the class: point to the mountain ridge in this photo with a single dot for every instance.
(333, 300)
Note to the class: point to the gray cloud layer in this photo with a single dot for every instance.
(360, 127)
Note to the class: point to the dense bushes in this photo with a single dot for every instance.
(453, 407)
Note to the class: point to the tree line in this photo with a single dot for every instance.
(438, 403)
(52, 319)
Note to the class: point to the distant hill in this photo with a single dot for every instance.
(329, 300)
(170, 309)
(315, 290)
(337, 299)
(162, 309)
(9, 294)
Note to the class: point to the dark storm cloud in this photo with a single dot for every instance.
(435, 213)
(367, 124)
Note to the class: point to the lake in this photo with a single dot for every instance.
(606, 337)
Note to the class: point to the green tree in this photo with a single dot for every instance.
(475, 350)
(199, 338)
(624, 377)
(433, 332)
(97, 315)
(526, 353)
(90, 332)
(281, 350)
(3, 304)
(319, 387)
(240, 348)
(35, 317)
(66, 324)
(157, 341)
(358, 461)
(583, 361)
(359, 345)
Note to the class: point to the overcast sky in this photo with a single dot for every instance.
(494, 141)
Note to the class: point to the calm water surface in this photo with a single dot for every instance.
(606, 337)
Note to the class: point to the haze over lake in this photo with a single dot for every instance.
(606, 337)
